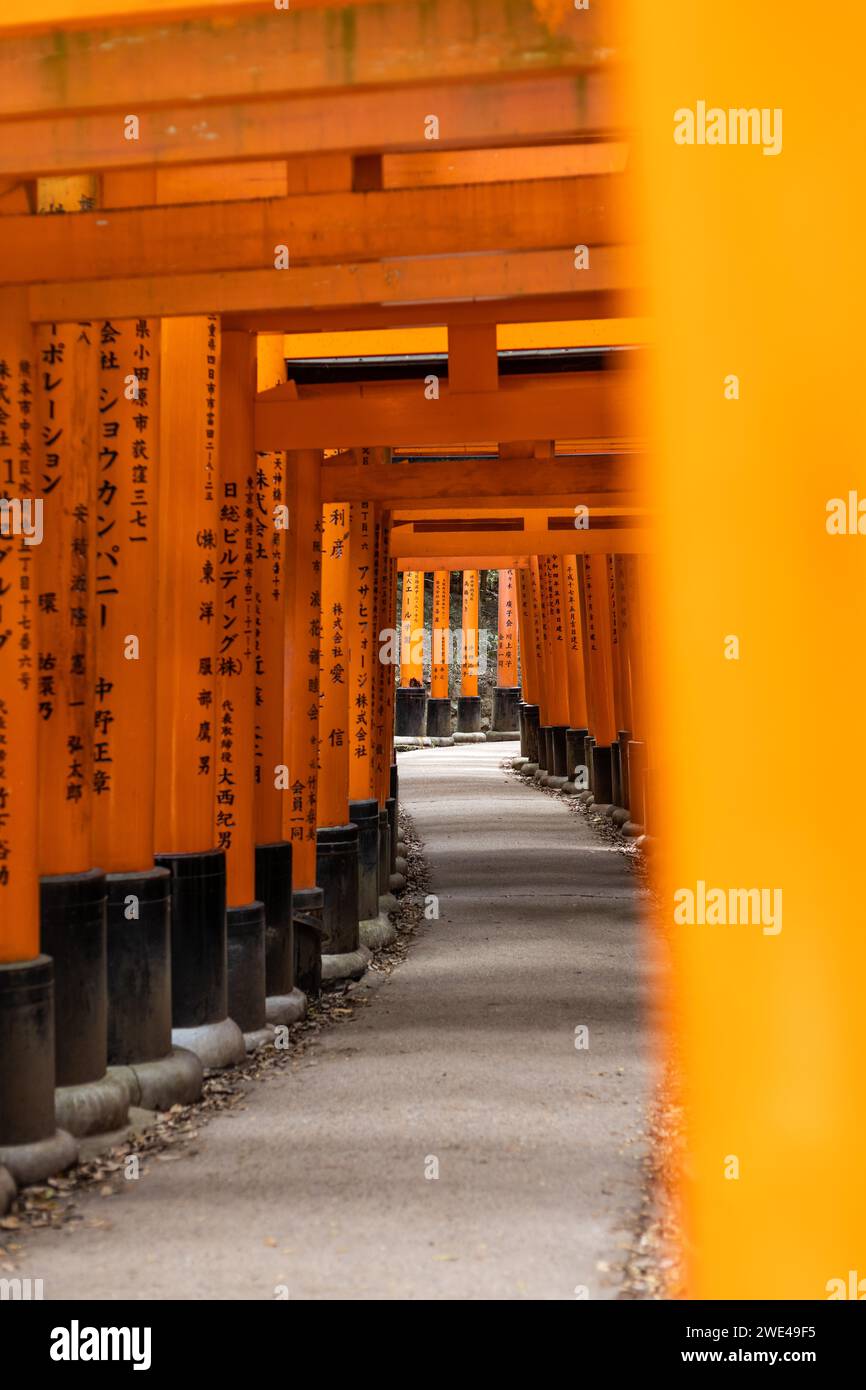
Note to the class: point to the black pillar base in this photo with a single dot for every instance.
(365, 815)
(544, 748)
(31, 1148)
(73, 933)
(531, 715)
(274, 892)
(337, 876)
(307, 915)
(245, 943)
(139, 966)
(623, 737)
(602, 773)
(558, 751)
(575, 753)
(506, 699)
(410, 712)
(469, 714)
(438, 718)
(198, 937)
(384, 853)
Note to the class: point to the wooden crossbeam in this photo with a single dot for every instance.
(395, 281)
(425, 552)
(471, 114)
(594, 480)
(170, 241)
(590, 406)
(412, 41)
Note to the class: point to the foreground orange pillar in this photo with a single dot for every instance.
(439, 703)
(469, 701)
(187, 700)
(337, 849)
(74, 755)
(506, 696)
(768, 1008)
(30, 1147)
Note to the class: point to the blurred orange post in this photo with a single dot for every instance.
(767, 999)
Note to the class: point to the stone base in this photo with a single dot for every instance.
(259, 1036)
(350, 965)
(29, 1163)
(528, 770)
(286, 1008)
(443, 742)
(498, 736)
(400, 865)
(175, 1079)
(409, 741)
(397, 883)
(632, 830)
(92, 1107)
(470, 738)
(215, 1044)
(619, 817)
(557, 783)
(601, 808)
(387, 903)
(376, 932)
(7, 1190)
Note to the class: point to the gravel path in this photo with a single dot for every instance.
(463, 1063)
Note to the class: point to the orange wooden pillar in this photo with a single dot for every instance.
(469, 701)
(302, 659)
(363, 802)
(578, 727)
(337, 847)
(622, 697)
(188, 717)
(439, 703)
(596, 624)
(73, 755)
(529, 707)
(410, 721)
(236, 686)
(124, 752)
(284, 1003)
(506, 695)
(31, 1148)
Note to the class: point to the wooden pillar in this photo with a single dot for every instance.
(506, 696)
(302, 662)
(361, 648)
(577, 716)
(440, 629)
(412, 629)
(30, 1146)
(469, 663)
(541, 658)
(337, 853)
(236, 684)
(187, 699)
(596, 623)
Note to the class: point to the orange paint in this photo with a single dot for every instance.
(128, 464)
(440, 634)
(469, 664)
(363, 648)
(236, 618)
(577, 714)
(304, 596)
(20, 480)
(412, 628)
(597, 649)
(187, 716)
(67, 405)
(506, 674)
(526, 624)
(334, 733)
